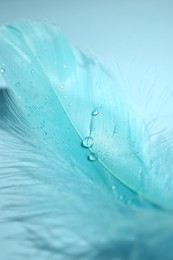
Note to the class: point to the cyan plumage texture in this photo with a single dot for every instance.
(84, 173)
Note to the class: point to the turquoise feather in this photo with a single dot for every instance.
(58, 88)
(86, 148)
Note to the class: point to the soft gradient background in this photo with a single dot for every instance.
(117, 31)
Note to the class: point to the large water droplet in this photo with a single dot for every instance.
(95, 112)
(88, 142)
(92, 157)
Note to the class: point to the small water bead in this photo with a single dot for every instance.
(92, 157)
(113, 187)
(32, 71)
(129, 202)
(64, 66)
(17, 84)
(132, 154)
(44, 133)
(115, 130)
(95, 112)
(121, 198)
(36, 96)
(133, 144)
(88, 142)
(2, 70)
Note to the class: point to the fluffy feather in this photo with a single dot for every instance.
(56, 202)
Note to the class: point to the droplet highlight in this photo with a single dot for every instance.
(95, 112)
(88, 142)
(18, 84)
(92, 157)
(2, 70)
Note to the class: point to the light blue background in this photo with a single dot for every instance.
(122, 32)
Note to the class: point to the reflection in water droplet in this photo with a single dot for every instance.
(44, 133)
(17, 84)
(88, 142)
(2, 70)
(92, 157)
(95, 112)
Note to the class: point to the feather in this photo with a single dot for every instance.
(78, 149)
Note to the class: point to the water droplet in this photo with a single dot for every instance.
(95, 112)
(17, 84)
(140, 171)
(88, 142)
(133, 144)
(64, 66)
(121, 198)
(113, 187)
(32, 71)
(70, 104)
(129, 202)
(115, 130)
(2, 70)
(19, 97)
(62, 86)
(69, 149)
(106, 154)
(92, 157)
(44, 133)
